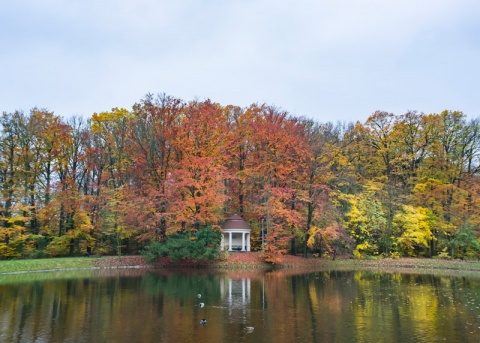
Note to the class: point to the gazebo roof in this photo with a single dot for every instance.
(235, 222)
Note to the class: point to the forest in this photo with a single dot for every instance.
(396, 185)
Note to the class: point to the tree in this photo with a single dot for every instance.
(332, 240)
(239, 159)
(152, 150)
(48, 132)
(277, 147)
(366, 221)
(451, 159)
(325, 167)
(9, 163)
(72, 170)
(111, 131)
(414, 225)
(195, 186)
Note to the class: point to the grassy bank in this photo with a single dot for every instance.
(245, 261)
(411, 264)
(16, 266)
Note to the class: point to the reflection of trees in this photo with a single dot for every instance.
(183, 285)
(371, 306)
(283, 306)
(110, 308)
(425, 304)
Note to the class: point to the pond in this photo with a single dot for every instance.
(161, 305)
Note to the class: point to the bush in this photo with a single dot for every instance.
(35, 246)
(6, 251)
(203, 245)
(443, 255)
(395, 254)
(58, 247)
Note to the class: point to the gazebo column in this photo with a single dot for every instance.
(243, 241)
(243, 290)
(248, 242)
(229, 241)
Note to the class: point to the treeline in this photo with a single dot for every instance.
(396, 185)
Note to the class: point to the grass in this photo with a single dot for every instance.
(403, 264)
(414, 263)
(16, 266)
(18, 278)
(409, 265)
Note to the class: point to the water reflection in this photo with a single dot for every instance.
(282, 306)
(236, 291)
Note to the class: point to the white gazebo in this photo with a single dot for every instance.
(236, 234)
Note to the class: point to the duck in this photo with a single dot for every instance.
(199, 295)
(203, 322)
(249, 329)
(201, 304)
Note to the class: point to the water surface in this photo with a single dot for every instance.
(136, 305)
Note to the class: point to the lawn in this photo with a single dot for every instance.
(15, 266)
(250, 260)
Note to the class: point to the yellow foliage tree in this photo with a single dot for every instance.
(415, 228)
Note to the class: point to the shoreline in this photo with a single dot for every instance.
(245, 261)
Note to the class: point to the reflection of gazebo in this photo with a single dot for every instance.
(236, 291)
(236, 234)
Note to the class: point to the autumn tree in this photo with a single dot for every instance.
(69, 209)
(366, 221)
(452, 158)
(325, 168)
(414, 225)
(13, 208)
(239, 159)
(152, 149)
(277, 145)
(9, 162)
(196, 185)
(110, 132)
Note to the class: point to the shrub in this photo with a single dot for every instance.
(395, 254)
(35, 246)
(14, 247)
(443, 255)
(203, 245)
(6, 251)
(58, 247)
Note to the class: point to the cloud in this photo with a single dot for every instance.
(326, 59)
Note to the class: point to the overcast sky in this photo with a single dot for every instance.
(330, 60)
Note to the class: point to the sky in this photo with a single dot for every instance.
(328, 60)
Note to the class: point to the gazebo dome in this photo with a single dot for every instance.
(235, 222)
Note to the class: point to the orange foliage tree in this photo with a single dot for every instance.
(196, 185)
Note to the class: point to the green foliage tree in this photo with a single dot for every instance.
(464, 244)
(203, 245)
